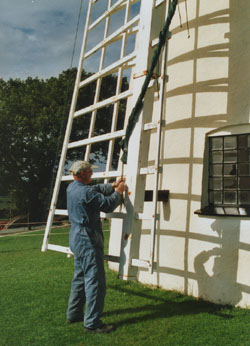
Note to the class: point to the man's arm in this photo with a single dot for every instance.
(105, 189)
(108, 189)
(104, 203)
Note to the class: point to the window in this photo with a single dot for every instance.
(228, 175)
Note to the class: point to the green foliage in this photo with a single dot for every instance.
(34, 293)
(33, 115)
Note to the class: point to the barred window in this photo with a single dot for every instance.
(229, 175)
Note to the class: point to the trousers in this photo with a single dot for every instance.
(88, 288)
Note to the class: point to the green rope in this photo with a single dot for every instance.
(134, 116)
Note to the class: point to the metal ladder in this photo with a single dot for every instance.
(136, 169)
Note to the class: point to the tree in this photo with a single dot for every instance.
(33, 114)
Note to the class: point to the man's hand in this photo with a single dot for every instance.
(121, 187)
(117, 182)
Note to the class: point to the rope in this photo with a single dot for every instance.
(179, 12)
(134, 116)
(186, 9)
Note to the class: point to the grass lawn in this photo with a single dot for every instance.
(34, 290)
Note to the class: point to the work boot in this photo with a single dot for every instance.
(104, 328)
(74, 321)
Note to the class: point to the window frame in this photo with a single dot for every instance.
(209, 207)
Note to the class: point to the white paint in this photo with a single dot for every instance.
(208, 89)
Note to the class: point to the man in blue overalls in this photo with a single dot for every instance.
(84, 203)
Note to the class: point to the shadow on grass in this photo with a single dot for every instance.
(164, 308)
(19, 250)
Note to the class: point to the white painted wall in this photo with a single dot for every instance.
(208, 89)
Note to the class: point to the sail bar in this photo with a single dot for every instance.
(98, 85)
(116, 7)
(103, 103)
(115, 215)
(108, 70)
(67, 250)
(97, 139)
(63, 212)
(67, 134)
(60, 248)
(113, 36)
(96, 175)
(112, 10)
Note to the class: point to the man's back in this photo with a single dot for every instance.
(84, 203)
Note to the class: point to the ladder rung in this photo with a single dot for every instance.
(159, 2)
(154, 42)
(154, 125)
(108, 69)
(103, 103)
(103, 215)
(61, 212)
(96, 175)
(143, 264)
(111, 258)
(140, 263)
(150, 170)
(113, 36)
(143, 216)
(114, 215)
(97, 139)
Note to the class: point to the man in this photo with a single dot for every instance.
(84, 203)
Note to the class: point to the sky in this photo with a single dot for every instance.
(37, 36)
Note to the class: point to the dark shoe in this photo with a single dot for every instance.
(74, 321)
(104, 328)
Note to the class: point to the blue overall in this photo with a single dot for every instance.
(84, 203)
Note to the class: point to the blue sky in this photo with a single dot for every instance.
(37, 36)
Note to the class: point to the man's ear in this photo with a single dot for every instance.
(82, 174)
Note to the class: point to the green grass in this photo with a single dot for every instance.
(34, 290)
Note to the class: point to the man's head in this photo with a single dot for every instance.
(82, 171)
